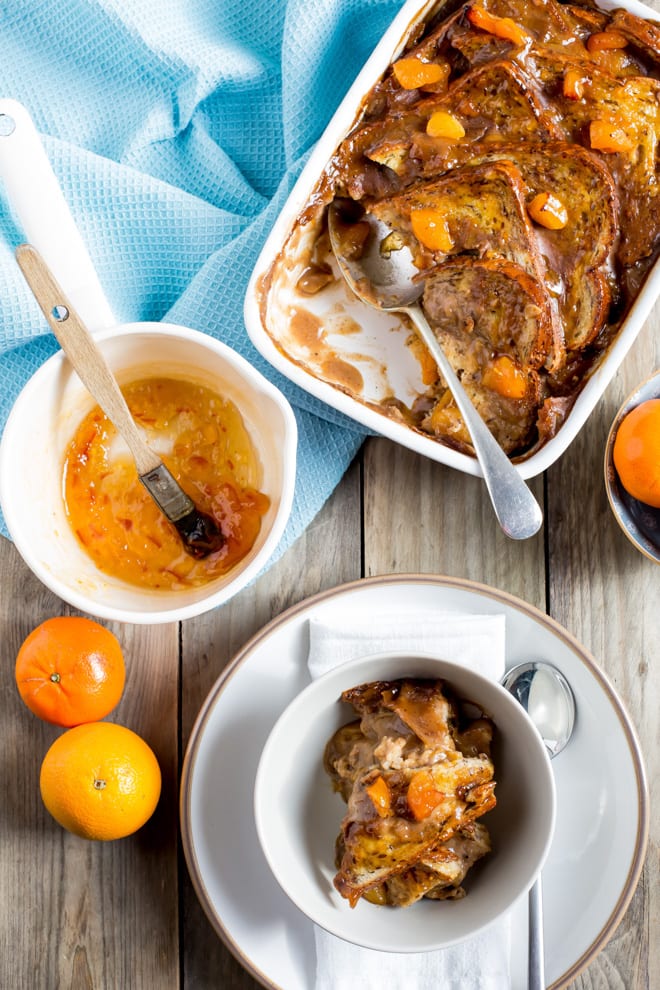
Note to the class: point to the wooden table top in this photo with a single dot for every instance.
(77, 914)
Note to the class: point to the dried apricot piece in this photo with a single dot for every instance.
(430, 228)
(423, 796)
(444, 125)
(412, 73)
(609, 136)
(500, 27)
(548, 211)
(506, 378)
(381, 797)
(606, 41)
(574, 84)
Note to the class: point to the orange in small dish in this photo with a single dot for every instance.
(636, 452)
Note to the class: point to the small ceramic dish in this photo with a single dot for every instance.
(640, 522)
(298, 815)
(43, 421)
(53, 403)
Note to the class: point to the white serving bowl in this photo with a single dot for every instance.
(43, 421)
(298, 815)
(371, 342)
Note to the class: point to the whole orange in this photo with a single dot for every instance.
(70, 670)
(636, 452)
(100, 781)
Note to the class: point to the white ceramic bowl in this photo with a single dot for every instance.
(373, 343)
(298, 816)
(50, 407)
(43, 421)
(639, 522)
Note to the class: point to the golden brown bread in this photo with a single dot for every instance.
(493, 100)
(485, 214)
(615, 87)
(485, 204)
(481, 311)
(486, 217)
(580, 180)
(578, 255)
(630, 105)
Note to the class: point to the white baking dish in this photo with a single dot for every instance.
(367, 344)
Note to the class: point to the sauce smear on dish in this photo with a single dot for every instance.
(203, 441)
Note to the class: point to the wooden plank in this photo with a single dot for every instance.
(607, 595)
(210, 641)
(424, 517)
(75, 913)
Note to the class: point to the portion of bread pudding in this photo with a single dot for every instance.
(416, 774)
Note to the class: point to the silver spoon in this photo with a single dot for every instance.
(387, 281)
(546, 696)
(199, 532)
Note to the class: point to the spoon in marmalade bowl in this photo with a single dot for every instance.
(199, 532)
(388, 280)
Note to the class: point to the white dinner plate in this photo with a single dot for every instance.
(602, 801)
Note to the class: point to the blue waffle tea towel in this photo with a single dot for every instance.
(176, 129)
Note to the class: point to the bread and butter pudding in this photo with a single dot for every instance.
(512, 146)
(416, 772)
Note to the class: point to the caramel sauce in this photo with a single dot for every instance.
(203, 441)
(305, 329)
(342, 373)
(314, 278)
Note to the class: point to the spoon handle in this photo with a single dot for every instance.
(199, 532)
(516, 509)
(535, 960)
(44, 216)
(81, 350)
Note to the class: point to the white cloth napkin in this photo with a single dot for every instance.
(481, 963)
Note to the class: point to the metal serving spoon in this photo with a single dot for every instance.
(546, 696)
(387, 280)
(199, 533)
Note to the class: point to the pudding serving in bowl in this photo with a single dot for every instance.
(429, 811)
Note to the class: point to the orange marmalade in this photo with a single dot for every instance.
(202, 439)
